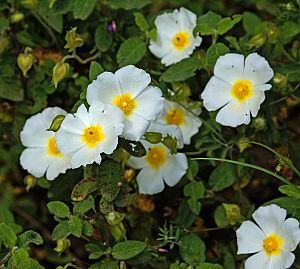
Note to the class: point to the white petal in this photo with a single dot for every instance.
(85, 156)
(50, 113)
(150, 103)
(216, 94)
(57, 166)
(103, 89)
(72, 125)
(290, 233)
(161, 46)
(135, 127)
(190, 127)
(35, 161)
(256, 100)
(150, 181)
(249, 238)
(230, 67)
(258, 261)
(132, 79)
(137, 163)
(269, 218)
(187, 19)
(82, 114)
(234, 114)
(174, 169)
(110, 142)
(166, 24)
(195, 42)
(174, 56)
(68, 142)
(284, 260)
(257, 69)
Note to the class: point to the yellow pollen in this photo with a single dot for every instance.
(52, 148)
(175, 116)
(156, 156)
(242, 90)
(181, 40)
(126, 103)
(272, 245)
(92, 135)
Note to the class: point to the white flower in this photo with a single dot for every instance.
(88, 133)
(128, 90)
(165, 129)
(158, 166)
(238, 86)
(272, 240)
(175, 40)
(175, 114)
(42, 154)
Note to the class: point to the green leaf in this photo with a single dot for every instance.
(131, 51)
(192, 249)
(75, 226)
(109, 174)
(83, 9)
(103, 38)
(59, 209)
(95, 70)
(250, 21)
(83, 188)
(209, 266)
(220, 217)
(20, 259)
(29, 237)
(214, 52)
(288, 31)
(61, 230)
(96, 250)
(11, 89)
(7, 236)
(207, 24)
(194, 205)
(290, 190)
(227, 23)
(84, 206)
(222, 177)
(181, 71)
(134, 148)
(193, 168)
(194, 189)
(87, 228)
(128, 4)
(128, 249)
(141, 22)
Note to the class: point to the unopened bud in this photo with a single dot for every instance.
(30, 182)
(60, 71)
(233, 213)
(25, 62)
(123, 265)
(243, 144)
(30, 4)
(51, 3)
(73, 39)
(257, 40)
(170, 143)
(273, 33)
(114, 218)
(62, 245)
(57, 121)
(16, 17)
(118, 231)
(259, 123)
(153, 137)
(4, 43)
(280, 80)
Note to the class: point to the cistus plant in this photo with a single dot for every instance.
(147, 134)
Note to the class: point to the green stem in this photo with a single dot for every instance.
(80, 60)
(247, 165)
(7, 256)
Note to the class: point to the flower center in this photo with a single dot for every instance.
(92, 135)
(181, 40)
(242, 90)
(126, 103)
(175, 116)
(272, 244)
(156, 156)
(52, 148)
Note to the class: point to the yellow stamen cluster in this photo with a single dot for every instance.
(52, 148)
(242, 90)
(175, 116)
(126, 103)
(92, 135)
(272, 244)
(156, 156)
(181, 40)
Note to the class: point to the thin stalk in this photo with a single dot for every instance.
(247, 165)
(80, 60)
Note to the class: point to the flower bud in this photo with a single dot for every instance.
(4, 43)
(16, 17)
(30, 4)
(243, 144)
(73, 39)
(233, 213)
(25, 62)
(170, 143)
(57, 121)
(280, 80)
(60, 71)
(30, 182)
(259, 124)
(153, 137)
(114, 218)
(118, 232)
(257, 40)
(273, 33)
(62, 245)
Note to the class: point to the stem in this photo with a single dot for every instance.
(248, 165)
(7, 256)
(80, 60)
